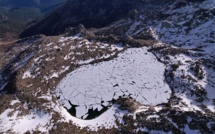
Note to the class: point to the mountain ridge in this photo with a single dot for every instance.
(97, 14)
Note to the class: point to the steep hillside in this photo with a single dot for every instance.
(152, 71)
(16, 14)
(97, 13)
(14, 20)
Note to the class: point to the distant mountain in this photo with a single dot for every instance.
(96, 13)
(15, 14)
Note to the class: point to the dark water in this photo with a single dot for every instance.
(92, 114)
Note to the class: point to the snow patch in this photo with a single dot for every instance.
(22, 124)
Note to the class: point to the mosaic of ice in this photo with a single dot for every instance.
(134, 73)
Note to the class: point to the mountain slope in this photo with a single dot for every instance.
(97, 13)
(149, 72)
(16, 14)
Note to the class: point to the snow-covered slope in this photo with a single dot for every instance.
(152, 72)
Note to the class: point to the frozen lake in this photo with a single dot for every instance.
(134, 73)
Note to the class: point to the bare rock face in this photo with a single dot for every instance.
(128, 104)
(97, 13)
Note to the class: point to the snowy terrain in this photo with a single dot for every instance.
(107, 119)
(76, 50)
(36, 120)
(23, 124)
(188, 37)
(164, 87)
(189, 26)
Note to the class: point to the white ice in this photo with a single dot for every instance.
(134, 73)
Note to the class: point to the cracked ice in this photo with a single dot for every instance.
(134, 73)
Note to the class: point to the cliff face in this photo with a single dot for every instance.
(97, 13)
